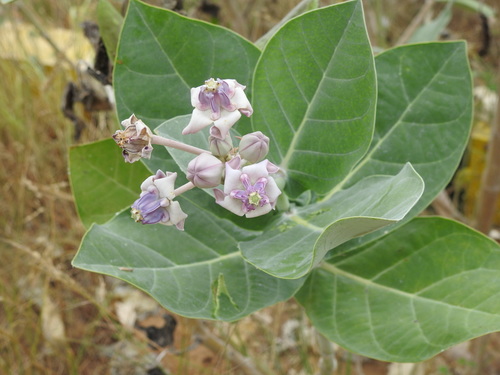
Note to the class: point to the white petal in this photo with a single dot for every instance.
(224, 123)
(219, 195)
(199, 120)
(241, 102)
(165, 185)
(236, 162)
(177, 216)
(129, 121)
(232, 85)
(147, 183)
(195, 97)
(256, 171)
(272, 190)
(232, 180)
(233, 205)
(259, 211)
(271, 168)
(140, 125)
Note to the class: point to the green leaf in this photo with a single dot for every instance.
(314, 96)
(110, 22)
(162, 55)
(429, 285)
(198, 273)
(102, 183)
(424, 116)
(299, 240)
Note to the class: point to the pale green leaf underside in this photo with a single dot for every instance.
(298, 241)
(162, 55)
(102, 183)
(179, 269)
(314, 96)
(424, 116)
(427, 286)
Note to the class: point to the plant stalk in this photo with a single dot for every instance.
(416, 22)
(490, 184)
(157, 140)
(182, 189)
(218, 346)
(327, 362)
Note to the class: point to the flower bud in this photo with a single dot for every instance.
(220, 147)
(205, 171)
(254, 147)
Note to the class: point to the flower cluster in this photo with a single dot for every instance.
(244, 181)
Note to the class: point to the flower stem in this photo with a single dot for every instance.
(328, 362)
(157, 140)
(183, 188)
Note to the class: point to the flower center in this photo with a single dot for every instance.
(254, 198)
(211, 85)
(254, 195)
(136, 215)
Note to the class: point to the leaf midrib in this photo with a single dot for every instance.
(153, 36)
(381, 141)
(339, 272)
(284, 162)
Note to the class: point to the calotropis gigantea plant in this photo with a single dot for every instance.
(363, 144)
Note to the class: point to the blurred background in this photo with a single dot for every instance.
(58, 320)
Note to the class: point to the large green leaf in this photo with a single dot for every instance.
(102, 183)
(162, 54)
(314, 96)
(299, 240)
(424, 114)
(197, 273)
(427, 286)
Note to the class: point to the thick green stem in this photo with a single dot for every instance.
(328, 362)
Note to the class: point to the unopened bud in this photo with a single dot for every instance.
(220, 147)
(254, 147)
(205, 171)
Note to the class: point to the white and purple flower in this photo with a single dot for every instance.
(135, 139)
(250, 191)
(218, 102)
(156, 204)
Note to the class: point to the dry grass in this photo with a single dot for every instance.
(48, 325)
(57, 320)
